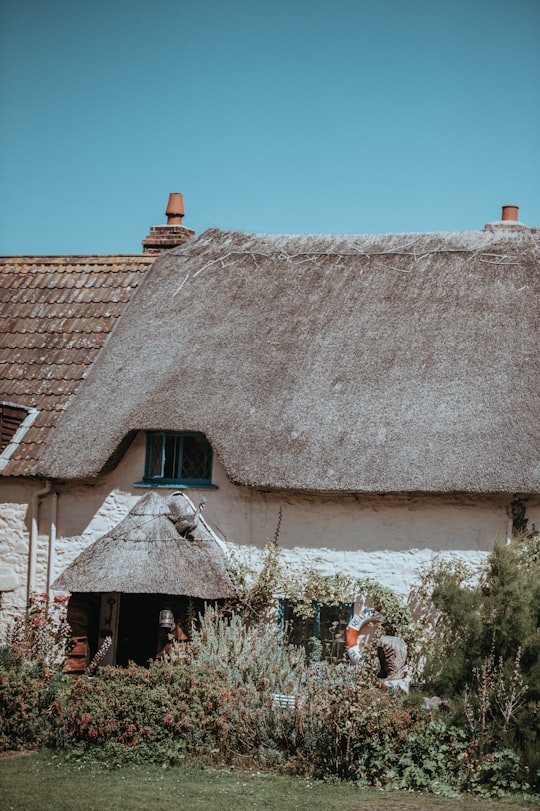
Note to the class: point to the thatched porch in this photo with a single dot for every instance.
(163, 557)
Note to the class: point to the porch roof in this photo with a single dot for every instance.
(160, 547)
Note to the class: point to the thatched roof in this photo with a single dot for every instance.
(385, 363)
(55, 315)
(161, 547)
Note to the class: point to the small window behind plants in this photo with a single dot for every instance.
(319, 628)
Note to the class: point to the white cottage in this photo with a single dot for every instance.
(379, 392)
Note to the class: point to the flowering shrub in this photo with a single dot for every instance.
(246, 655)
(30, 704)
(360, 733)
(166, 710)
(43, 633)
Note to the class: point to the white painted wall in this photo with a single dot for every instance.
(384, 537)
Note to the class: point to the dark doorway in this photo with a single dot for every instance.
(138, 628)
(139, 636)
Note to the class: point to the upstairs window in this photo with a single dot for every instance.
(181, 458)
(11, 419)
(14, 423)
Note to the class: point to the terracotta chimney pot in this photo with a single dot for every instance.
(175, 209)
(510, 213)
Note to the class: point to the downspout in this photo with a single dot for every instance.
(52, 541)
(32, 550)
(509, 530)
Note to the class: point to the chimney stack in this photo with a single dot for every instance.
(510, 213)
(164, 237)
(508, 222)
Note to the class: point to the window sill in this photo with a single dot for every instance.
(175, 486)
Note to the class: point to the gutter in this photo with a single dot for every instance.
(32, 549)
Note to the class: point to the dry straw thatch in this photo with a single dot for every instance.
(147, 554)
(385, 363)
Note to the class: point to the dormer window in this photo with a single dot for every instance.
(14, 422)
(11, 417)
(178, 458)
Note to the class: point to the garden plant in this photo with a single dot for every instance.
(219, 699)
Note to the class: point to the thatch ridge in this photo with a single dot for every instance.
(363, 363)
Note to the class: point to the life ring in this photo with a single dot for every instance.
(356, 629)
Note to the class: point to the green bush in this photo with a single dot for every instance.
(226, 705)
(486, 655)
(497, 775)
(376, 738)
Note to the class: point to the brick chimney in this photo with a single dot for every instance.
(510, 214)
(509, 221)
(164, 237)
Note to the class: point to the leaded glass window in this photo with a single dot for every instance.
(322, 633)
(183, 458)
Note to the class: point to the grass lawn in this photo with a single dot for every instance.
(46, 782)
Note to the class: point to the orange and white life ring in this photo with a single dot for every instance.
(355, 630)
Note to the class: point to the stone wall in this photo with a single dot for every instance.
(14, 535)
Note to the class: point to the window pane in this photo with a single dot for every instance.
(10, 419)
(177, 457)
(173, 444)
(196, 458)
(333, 621)
(155, 444)
(328, 625)
(299, 630)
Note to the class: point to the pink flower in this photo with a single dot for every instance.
(37, 622)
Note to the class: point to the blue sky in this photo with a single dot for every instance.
(290, 116)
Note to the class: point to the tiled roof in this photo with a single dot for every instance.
(55, 314)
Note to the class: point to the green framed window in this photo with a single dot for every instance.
(178, 458)
(323, 633)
